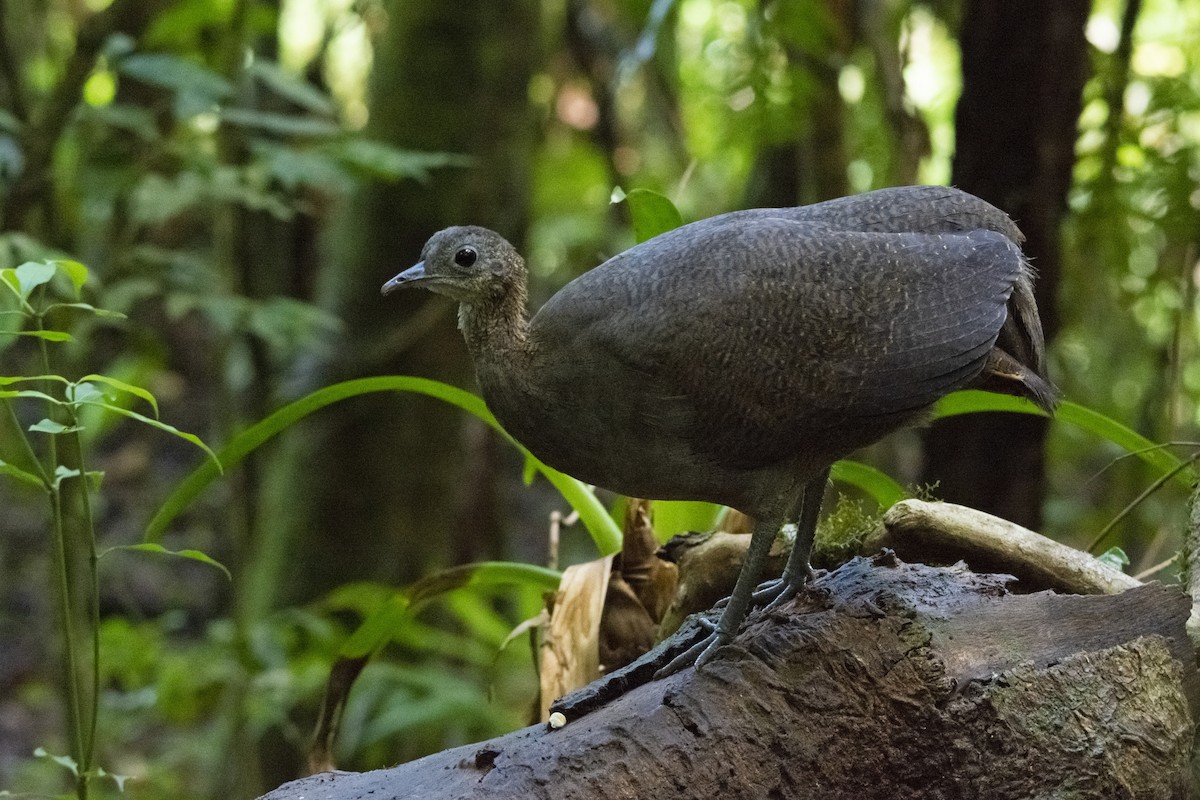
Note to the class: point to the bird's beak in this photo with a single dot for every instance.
(413, 275)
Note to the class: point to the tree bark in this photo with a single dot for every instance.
(1024, 66)
(884, 680)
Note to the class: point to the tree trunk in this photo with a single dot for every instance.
(1024, 65)
(884, 680)
(384, 479)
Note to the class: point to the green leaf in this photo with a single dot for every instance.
(651, 213)
(603, 530)
(77, 273)
(672, 517)
(380, 626)
(194, 555)
(162, 426)
(21, 475)
(384, 162)
(281, 124)
(129, 388)
(973, 400)
(1114, 557)
(50, 336)
(176, 74)
(99, 312)
(882, 489)
(30, 393)
(33, 274)
(9, 380)
(293, 87)
(50, 426)
(83, 392)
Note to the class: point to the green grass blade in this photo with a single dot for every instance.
(882, 489)
(603, 530)
(973, 400)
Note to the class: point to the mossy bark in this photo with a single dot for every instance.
(884, 680)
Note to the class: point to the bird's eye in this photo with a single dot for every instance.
(465, 256)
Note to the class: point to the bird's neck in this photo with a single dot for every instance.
(497, 330)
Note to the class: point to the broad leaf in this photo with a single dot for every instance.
(50, 426)
(651, 213)
(194, 555)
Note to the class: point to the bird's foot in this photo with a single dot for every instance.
(698, 654)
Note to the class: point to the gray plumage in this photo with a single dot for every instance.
(734, 359)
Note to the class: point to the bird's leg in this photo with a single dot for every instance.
(736, 606)
(797, 571)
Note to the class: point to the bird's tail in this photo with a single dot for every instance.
(1017, 364)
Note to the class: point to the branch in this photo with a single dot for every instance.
(885, 680)
(943, 533)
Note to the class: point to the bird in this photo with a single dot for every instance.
(734, 359)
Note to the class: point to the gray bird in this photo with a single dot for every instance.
(735, 359)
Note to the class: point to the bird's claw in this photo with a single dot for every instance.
(698, 654)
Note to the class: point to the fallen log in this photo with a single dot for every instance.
(882, 680)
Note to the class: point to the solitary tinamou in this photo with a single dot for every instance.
(735, 359)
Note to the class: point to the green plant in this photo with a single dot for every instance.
(60, 471)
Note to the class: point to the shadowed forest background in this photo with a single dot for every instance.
(239, 177)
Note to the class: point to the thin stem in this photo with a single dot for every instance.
(70, 666)
(89, 531)
(82, 745)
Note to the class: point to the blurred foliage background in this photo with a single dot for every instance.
(240, 176)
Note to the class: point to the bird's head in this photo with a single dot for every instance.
(469, 264)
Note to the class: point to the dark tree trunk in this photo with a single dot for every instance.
(385, 479)
(1024, 65)
(886, 680)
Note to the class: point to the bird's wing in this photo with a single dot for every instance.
(759, 336)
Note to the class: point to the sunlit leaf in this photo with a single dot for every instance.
(651, 213)
(50, 336)
(194, 555)
(77, 273)
(673, 517)
(83, 392)
(50, 426)
(882, 489)
(8, 380)
(33, 274)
